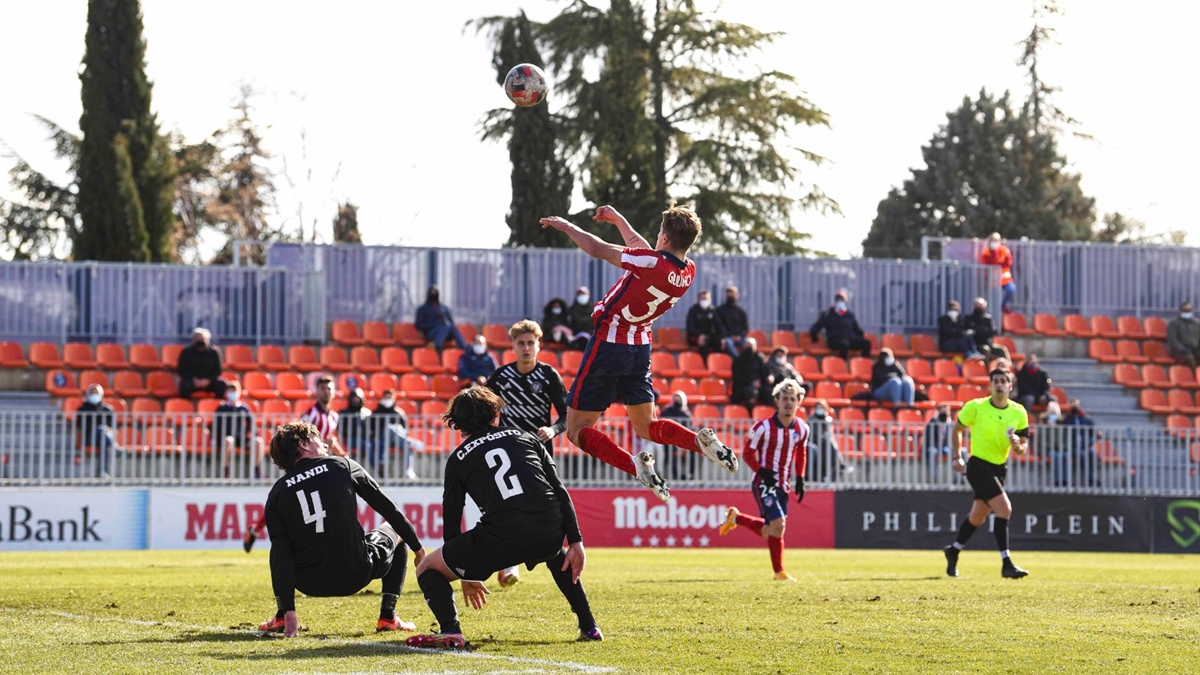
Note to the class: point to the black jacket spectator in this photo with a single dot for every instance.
(383, 416)
(704, 321)
(579, 315)
(1033, 382)
(733, 319)
(94, 416)
(749, 373)
(985, 329)
(354, 424)
(681, 464)
(842, 332)
(554, 323)
(199, 361)
(951, 334)
(232, 419)
(881, 373)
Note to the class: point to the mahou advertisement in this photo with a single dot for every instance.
(636, 518)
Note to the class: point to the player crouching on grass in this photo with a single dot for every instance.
(317, 544)
(776, 446)
(616, 361)
(998, 426)
(526, 510)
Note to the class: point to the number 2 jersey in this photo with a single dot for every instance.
(653, 282)
(513, 480)
(317, 543)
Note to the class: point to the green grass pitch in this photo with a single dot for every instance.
(662, 611)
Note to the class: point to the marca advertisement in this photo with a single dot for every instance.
(72, 520)
(213, 518)
(636, 518)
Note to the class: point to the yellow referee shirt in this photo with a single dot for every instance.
(989, 427)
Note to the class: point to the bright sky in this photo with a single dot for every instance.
(379, 102)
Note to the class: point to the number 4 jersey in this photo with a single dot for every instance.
(317, 543)
(510, 476)
(653, 282)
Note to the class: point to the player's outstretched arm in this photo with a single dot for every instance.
(607, 214)
(588, 243)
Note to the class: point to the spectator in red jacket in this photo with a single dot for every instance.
(999, 255)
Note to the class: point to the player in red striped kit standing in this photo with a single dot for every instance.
(616, 361)
(777, 446)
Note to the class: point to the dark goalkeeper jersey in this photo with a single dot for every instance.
(317, 544)
(528, 398)
(512, 479)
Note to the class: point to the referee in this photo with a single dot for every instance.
(529, 389)
(998, 426)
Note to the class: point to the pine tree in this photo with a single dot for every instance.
(119, 223)
(245, 187)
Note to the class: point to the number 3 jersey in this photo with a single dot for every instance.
(653, 282)
(512, 479)
(317, 543)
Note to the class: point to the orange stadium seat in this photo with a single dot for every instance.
(11, 356)
(1130, 327)
(1183, 377)
(970, 392)
(714, 390)
(692, 365)
(450, 357)
(1077, 326)
(874, 340)
(671, 339)
(941, 393)
(851, 415)
(89, 377)
(571, 361)
(170, 356)
(721, 365)
(239, 357)
(497, 336)
(365, 359)
(909, 416)
(507, 356)
(111, 356)
(445, 386)
(860, 368)
(257, 384)
(685, 384)
(129, 384)
(348, 381)
(469, 331)
(395, 360)
(1154, 400)
(811, 346)
(880, 415)
(415, 387)
(376, 333)
(62, 383)
(271, 357)
(44, 355)
(761, 338)
(785, 339)
(1105, 328)
(1059, 394)
(1157, 352)
(1015, 323)
(834, 368)
(920, 371)
(303, 358)
(707, 411)
(925, 346)
(205, 407)
(145, 357)
(346, 333)
(975, 371)
(1181, 401)
(145, 405)
(1047, 324)
(852, 389)
(1127, 375)
(547, 357)
(1010, 346)
(735, 412)
(896, 343)
(433, 407)
(1130, 351)
(616, 410)
(762, 412)
(162, 384)
(1155, 376)
(1180, 425)
(381, 382)
(179, 406)
(78, 355)
(334, 360)
(1102, 351)
(947, 371)
(1156, 327)
(291, 385)
(276, 406)
(806, 365)
(408, 335)
(832, 393)
(662, 364)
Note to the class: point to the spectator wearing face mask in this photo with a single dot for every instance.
(96, 425)
(436, 322)
(842, 332)
(889, 382)
(779, 369)
(749, 373)
(1081, 442)
(233, 430)
(733, 321)
(825, 461)
(199, 366)
(1183, 337)
(475, 364)
(388, 428)
(579, 318)
(704, 328)
(353, 425)
(998, 254)
(983, 329)
(953, 336)
(937, 441)
(681, 464)
(1033, 384)
(554, 323)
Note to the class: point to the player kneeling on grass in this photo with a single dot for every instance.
(776, 446)
(317, 544)
(526, 514)
(998, 426)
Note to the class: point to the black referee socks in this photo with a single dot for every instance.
(1001, 532)
(440, 598)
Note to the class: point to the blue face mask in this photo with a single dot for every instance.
(1051, 418)
(839, 306)
(92, 398)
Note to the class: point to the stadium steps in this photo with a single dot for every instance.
(1107, 403)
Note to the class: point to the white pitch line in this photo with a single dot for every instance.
(567, 665)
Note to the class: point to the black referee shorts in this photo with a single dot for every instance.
(526, 538)
(986, 479)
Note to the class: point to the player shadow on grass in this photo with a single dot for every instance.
(187, 637)
(893, 578)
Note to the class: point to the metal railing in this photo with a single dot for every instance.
(388, 283)
(53, 448)
(127, 303)
(1071, 277)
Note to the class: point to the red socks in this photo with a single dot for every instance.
(670, 432)
(602, 448)
(775, 544)
(751, 523)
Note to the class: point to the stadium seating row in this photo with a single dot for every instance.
(1156, 376)
(1130, 351)
(1074, 325)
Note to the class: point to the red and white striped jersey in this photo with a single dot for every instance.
(326, 421)
(653, 282)
(775, 447)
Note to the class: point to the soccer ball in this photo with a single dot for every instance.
(526, 85)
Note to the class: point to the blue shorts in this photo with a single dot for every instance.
(772, 501)
(611, 372)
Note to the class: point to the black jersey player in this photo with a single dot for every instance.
(526, 514)
(317, 544)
